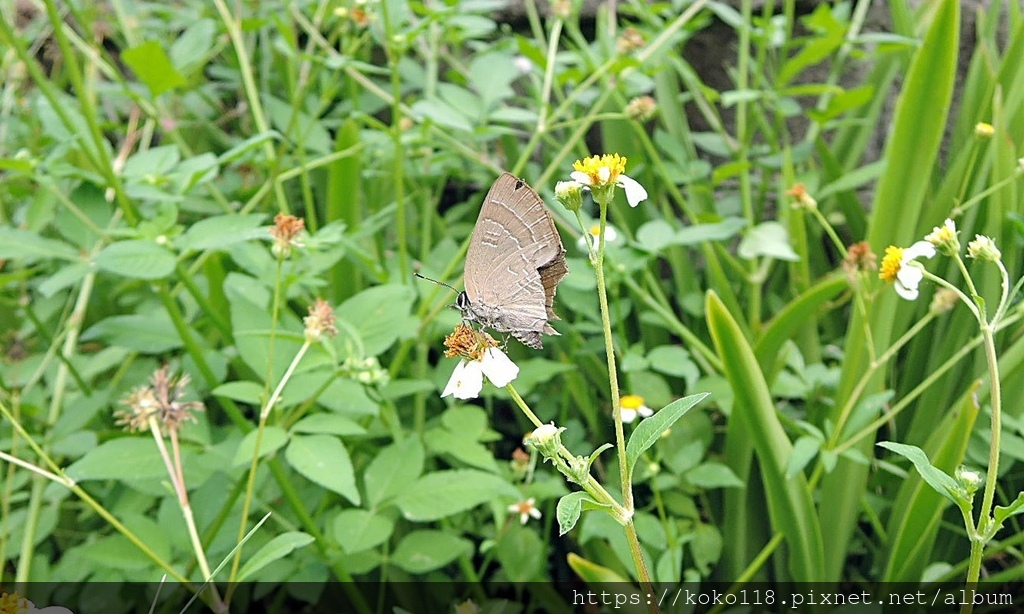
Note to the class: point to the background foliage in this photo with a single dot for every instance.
(145, 148)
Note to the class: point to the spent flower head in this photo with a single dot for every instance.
(641, 108)
(319, 322)
(984, 248)
(602, 173)
(900, 269)
(285, 230)
(944, 300)
(859, 258)
(944, 238)
(161, 400)
(629, 41)
(801, 197)
(480, 356)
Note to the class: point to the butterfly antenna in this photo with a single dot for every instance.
(440, 283)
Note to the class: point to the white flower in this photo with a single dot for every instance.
(631, 406)
(523, 64)
(898, 267)
(467, 379)
(600, 171)
(944, 238)
(525, 509)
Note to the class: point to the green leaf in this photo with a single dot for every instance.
(124, 458)
(148, 334)
(569, 509)
(444, 493)
(221, 231)
(939, 480)
(328, 424)
(423, 551)
(358, 530)
(153, 67)
(393, 470)
(381, 315)
(243, 392)
(768, 239)
(137, 259)
(650, 429)
(27, 246)
(522, 554)
(713, 475)
(442, 114)
(790, 504)
(1001, 513)
(277, 548)
(592, 573)
(324, 460)
(274, 438)
(804, 449)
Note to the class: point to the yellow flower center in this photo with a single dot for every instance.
(602, 170)
(942, 235)
(12, 603)
(891, 263)
(595, 230)
(631, 401)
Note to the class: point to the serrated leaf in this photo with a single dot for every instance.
(324, 460)
(27, 246)
(148, 334)
(650, 429)
(222, 231)
(137, 259)
(423, 551)
(444, 493)
(273, 439)
(568, 511)
(358, 530)
(277, 548)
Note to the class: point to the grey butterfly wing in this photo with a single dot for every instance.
(514, 263)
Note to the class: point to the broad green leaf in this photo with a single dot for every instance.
(155, 161)
(655, 235)
(358, 530)
(274, 438)
(442, 114)
(713, 475)
(381, 316)
(324, 460)
(221, 231)
(242, 391)
(713, 231)
(124, 458)
(423, 551)
(27, 246)
(393, 469)
(328, 423)
(137, 259)
(444, 493)
(148, 334)
(153, 67)
(790, 505)
(522, 554)
(939, 480)
(277, 548)
(650, 429)
(113, 552)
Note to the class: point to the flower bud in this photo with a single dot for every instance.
(546, 439)
(970, 480)
(570, 194)
(983, 248)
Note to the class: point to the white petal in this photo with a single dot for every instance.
(610, 234)
(466, 382)
(628, 415)
(634, 191)
(498, 368)
(918, 250)
(906, 292)
(910, 275)
(535, 512)
(581, 177)
(645, 411)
